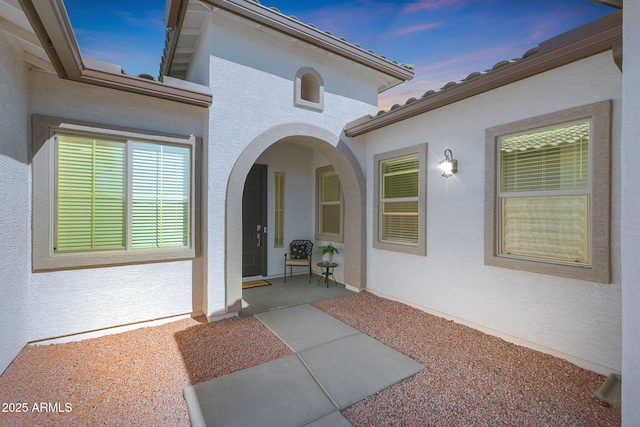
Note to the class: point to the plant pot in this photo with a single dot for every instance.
(327, 258)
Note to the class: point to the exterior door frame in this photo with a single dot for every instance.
(258, 237)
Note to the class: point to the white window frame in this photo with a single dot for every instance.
(420, 248)
(597, 268)
(44, 129)
(338, 238)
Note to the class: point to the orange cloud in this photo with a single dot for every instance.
(413, 29)
(429, 5)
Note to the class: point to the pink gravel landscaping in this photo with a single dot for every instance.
(137, 377)
(470, 379)
(134, 378)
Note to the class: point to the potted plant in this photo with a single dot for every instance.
(326, 252)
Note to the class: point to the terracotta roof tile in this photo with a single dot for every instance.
(470, 77)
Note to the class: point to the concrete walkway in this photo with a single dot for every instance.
(334, 367)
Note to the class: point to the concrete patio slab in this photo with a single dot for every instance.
(355, 367)
(296, 291)
(279, 393)
(334, 419)
(303, 327)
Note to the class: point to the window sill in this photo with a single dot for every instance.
(402, 248)
(590, 273)
(329, 238)
(301, 103)
(77, 260)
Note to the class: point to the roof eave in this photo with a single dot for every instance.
(273, 19)
(588, 40)
(52, 27)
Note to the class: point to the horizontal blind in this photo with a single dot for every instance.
(330, 208)
(330, 223)
(400, 178)
(330, 187)
(400, 200)
(90, 193)
(400, 222)
(554, 228)
(160, 196)
(279, 210)
(553, 159)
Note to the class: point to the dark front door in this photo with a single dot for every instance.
(254, 219)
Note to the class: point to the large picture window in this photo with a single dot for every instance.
(110, 197)
(400, 187)
(329, 217)
(549, 212)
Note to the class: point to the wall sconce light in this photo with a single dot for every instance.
(448, 165)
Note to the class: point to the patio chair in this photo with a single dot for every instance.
(299, 256)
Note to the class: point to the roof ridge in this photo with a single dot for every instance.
(328, 33)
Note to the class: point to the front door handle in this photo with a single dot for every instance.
(258, 238)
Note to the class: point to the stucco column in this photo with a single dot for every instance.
(630, 223)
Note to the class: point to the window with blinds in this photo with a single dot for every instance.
(544, 194)
(103, 185)
(399, 200)
(279, 210)
(90, 210)
(329, 205)
(159, 196)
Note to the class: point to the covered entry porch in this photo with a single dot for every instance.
(295, 152)
(296, 291)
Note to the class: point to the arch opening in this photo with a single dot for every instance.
(297, 137)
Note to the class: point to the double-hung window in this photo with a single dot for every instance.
(544, 194)
(329, 217)
(106, 197)
(400, 188)
(551, 194)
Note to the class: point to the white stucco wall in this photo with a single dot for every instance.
(67, 302)
(14, 204)
(630, 215)
(575, 319)
(252, 80)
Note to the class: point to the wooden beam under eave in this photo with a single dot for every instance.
(613, 3)
(617, 53)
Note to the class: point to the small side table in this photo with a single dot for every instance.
(327, 271)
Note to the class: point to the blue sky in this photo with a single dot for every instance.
(445, 40)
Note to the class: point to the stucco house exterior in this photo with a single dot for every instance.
(248, 95)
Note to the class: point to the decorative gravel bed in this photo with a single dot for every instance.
(134, 378)
(471, 379)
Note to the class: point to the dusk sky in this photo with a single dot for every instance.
(445, 40)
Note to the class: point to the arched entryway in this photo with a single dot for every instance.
(352, 179)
